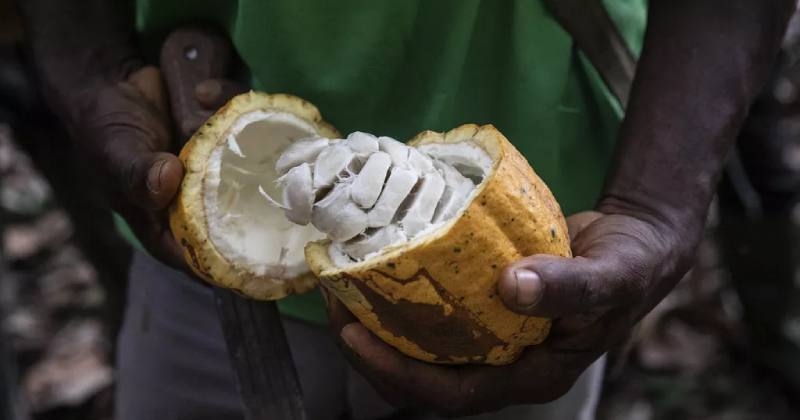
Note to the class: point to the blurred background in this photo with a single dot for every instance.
(724, 345)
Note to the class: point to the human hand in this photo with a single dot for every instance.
(126, 130)
(623, 267)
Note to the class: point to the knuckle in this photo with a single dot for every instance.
(634, 270)
(637, 280)
(591, 285)
(135, 174)
(587, 293)
(119, 169)
(127, 179)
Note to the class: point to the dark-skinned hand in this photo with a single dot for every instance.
(622, 267)
(126, 130)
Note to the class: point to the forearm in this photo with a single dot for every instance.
(75, 44)
(701, 66)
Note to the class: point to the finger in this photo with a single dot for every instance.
(167, 248)
(213, 93)
(382, 365)
(153, 232)
(209, 95)
(550, 286)
(578, 222)
(149, 83)
(338, 314)
(339, 317)
(426, 384)
(547, 374)
(149, 179)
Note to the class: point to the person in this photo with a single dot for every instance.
(396, 68)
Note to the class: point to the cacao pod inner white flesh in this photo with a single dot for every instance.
(369, 193)
(242, 228)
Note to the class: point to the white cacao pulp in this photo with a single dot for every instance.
(367, 193)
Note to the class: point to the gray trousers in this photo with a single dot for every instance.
(173, 363)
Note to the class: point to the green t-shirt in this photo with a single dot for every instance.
(398, 67)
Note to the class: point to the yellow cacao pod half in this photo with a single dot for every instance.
(435, 298)
(229, 235)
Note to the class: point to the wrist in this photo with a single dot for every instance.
(687, 216)
(670, 233)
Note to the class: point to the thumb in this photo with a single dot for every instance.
(127, 130)
(553, 287)
(147, 178)
(154, 179)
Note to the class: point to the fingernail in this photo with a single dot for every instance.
(529, 288)
(154, 177)
(208, 91)
(348, 335)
